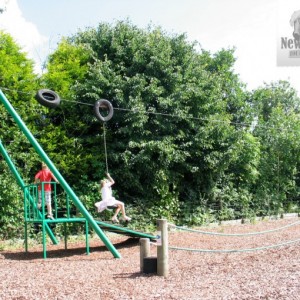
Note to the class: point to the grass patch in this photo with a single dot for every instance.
(12, 244)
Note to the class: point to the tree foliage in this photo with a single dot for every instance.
(174, 135)
(17, 81)
(187, 141)
(277, 109)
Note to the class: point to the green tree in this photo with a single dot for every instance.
(175, 111)
(17, 82)
(277, 128)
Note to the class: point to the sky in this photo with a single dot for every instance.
(253, 28)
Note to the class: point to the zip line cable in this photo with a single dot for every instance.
(165, 114)
(79, 102)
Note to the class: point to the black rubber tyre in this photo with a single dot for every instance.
(102, 103)
(47, 98)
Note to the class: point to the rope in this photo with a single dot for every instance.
(234, 234)
(105, 150)
(236, 250)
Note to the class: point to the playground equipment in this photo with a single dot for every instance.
(160, 263)
(31, 211)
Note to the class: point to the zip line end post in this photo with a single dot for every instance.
(162, 249)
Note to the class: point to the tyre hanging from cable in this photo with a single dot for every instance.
(48, 98)
(104, 111)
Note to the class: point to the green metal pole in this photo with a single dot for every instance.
(65, 235)
(22, 185)
(57, 174)
(87, 243)
(26, 237)
(44, 239)
(11, 166)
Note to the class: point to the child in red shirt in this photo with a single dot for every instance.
(45, 175)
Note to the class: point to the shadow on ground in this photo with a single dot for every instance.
(59, 253)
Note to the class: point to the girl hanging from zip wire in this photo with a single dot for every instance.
(108, 200)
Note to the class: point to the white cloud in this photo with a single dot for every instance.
(24, 33)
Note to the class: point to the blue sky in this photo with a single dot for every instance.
(251, 27)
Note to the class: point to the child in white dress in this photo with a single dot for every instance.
(108, 200)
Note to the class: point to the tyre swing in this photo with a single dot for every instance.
(104, 111)
(48, 98)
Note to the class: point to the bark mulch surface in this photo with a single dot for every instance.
(272, 273)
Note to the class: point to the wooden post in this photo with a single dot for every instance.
(144, 251)
(162, 250)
